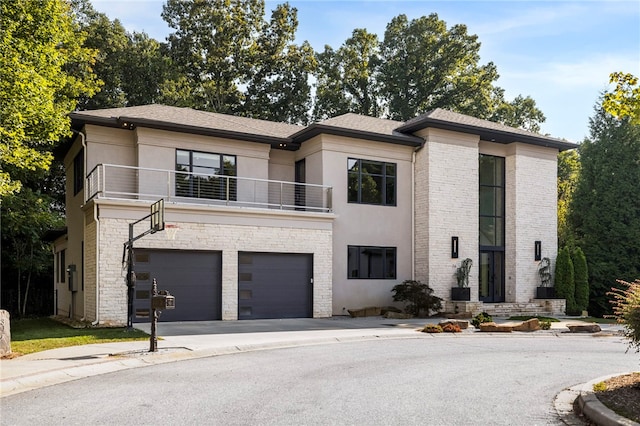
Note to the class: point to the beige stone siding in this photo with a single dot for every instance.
(446, 190)
(242, 231)
(531, 205)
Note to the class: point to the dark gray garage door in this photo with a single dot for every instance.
(193, 277)
(275, 285)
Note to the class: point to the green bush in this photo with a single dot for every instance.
(626, 310)
(564, 280)
(480, 318)
(432, 328)
(545, 324)
(418, 297)
(581, 279)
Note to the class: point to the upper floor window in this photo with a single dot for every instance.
(372, 262)
(492, 201)
(199, 175)
(371, 182)
(78, 172)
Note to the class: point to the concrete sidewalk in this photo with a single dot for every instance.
(190, 340)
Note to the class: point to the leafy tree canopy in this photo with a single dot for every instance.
(605, 210)
(44, 69)
(624, 101)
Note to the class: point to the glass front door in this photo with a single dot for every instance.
(491, 276)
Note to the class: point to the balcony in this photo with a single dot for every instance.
(124, 182)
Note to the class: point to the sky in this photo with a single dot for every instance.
(558, 52)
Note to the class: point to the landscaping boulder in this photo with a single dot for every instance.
(5, 333)
(529, 325)
(397, 315)
(371, 311)
(460, 323)
(493, 327)
(584, 328)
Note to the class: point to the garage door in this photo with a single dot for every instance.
(275, 285)
(193, 277)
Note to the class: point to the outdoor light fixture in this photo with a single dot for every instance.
(454, 247)
(538, 250)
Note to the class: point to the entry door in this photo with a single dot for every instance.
(491, 276)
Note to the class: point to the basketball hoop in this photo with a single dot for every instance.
(171, 231)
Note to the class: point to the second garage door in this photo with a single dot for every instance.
(275, 285)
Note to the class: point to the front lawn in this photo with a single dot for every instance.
(41, 334)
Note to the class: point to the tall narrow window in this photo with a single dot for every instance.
(78, 172)
(492, 192)
(371, 182)
(201, 175)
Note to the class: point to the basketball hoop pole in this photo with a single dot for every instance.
(157, 224)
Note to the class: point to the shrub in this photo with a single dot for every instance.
(544, 271)
(581, 278)
(432, 328)
(418, 297)
(451, 328)
(480, 318)
(564, 282)
(626, 310)
(545, 324)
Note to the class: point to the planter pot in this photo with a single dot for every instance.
(461, 293)
(545, 293)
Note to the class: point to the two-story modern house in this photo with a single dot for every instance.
(271, 220)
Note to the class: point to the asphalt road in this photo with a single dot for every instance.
(429, 380)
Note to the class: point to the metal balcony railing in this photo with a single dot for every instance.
(125, 182)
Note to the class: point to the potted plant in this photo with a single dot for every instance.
(545, 290)
(462, 291)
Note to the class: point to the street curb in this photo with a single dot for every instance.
(595, 410)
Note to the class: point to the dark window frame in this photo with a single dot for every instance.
(216, 185)
(386, 179)
(387, 265)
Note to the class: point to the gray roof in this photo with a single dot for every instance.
(290, 136)
(359, 126)
(488, 130)
(162, 116)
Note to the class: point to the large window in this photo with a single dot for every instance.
(371, 182)
(372, 262)
(491, 201)
(201, 175)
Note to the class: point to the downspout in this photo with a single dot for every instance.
(97, 221)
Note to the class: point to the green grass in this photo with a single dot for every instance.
(528, 317)
(41, 334)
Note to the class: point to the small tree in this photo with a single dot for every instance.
(418, 297)
(581, 276)
(564, 279)
(626, 310)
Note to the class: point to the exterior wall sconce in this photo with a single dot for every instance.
(538, 250)
(454, 247)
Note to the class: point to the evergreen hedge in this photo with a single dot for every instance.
(581, 278)
(564, 279)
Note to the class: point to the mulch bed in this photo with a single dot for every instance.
(622, 395)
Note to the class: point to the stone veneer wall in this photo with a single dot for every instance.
(446, 205)
(230, 239)
(90, 270)
(531, 215)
